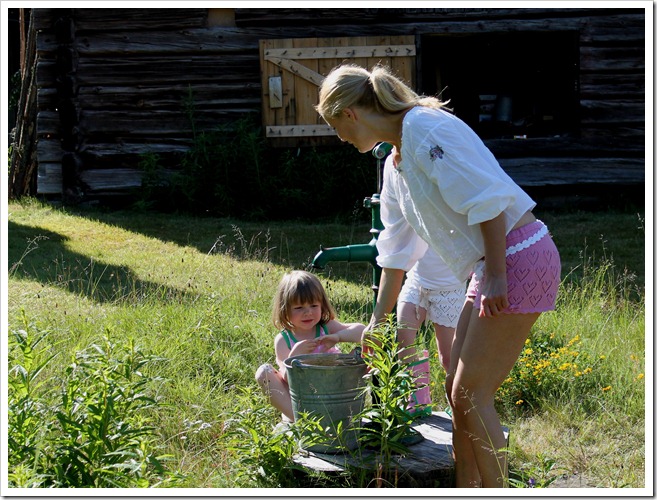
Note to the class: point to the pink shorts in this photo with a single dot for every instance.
(533, 271)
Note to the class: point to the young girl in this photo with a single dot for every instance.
(457, 198)
(302, 311)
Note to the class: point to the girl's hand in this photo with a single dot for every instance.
(494, 298)
(304, 347)
(329, 341)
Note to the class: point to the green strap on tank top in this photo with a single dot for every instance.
(286, 335)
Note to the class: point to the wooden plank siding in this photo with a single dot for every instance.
(112, 83)
(296, 67)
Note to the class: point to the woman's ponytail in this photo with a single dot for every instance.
(351, 85)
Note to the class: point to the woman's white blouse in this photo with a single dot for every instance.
(449, 182)
(399, 246)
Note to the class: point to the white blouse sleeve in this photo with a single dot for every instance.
(467, 174)
(398, 244)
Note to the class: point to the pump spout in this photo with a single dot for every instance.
(350, 253)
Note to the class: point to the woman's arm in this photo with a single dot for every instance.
(389, 288)
(494, 289)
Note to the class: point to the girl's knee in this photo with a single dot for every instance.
(264, 373)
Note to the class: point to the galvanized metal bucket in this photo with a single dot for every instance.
(331, 387)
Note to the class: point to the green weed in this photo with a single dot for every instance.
(96, 432)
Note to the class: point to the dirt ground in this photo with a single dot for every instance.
(574, 481)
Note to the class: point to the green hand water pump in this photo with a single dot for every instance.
(365, 252)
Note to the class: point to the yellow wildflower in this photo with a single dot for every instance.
(605, 389)
(519, 402)
(640, 376)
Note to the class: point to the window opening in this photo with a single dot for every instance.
(506, 85)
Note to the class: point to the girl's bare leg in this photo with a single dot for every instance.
(410, 319)
(444, 340)
(276, 390)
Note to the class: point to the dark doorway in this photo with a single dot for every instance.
(506, 85)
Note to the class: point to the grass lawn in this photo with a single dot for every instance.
(196, 293)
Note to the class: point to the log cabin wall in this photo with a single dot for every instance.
(116, 83)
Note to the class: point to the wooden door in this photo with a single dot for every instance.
(293, 69)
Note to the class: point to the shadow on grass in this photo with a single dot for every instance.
(40, 255)
(291, 244)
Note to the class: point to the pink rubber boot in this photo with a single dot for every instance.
(420, 400)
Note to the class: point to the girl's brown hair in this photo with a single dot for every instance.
(299, 287)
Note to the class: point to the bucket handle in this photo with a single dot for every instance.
(296, 363)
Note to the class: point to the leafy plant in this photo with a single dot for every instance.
(27, 413)
(535, 476)
(97, 432)
(388, 425)
(266, 456)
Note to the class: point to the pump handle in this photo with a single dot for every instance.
(381, 150)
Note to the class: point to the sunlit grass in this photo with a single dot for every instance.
(198, 293)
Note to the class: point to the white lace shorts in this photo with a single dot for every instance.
(443, 306)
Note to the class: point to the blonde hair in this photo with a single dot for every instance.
(299, 287)
(379, 90)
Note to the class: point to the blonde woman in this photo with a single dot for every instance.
(464, 206)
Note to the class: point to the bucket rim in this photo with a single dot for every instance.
(357, 360)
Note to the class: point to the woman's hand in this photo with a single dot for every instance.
(494, 298)
(367, 340)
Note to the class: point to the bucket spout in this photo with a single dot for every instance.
(350, 253)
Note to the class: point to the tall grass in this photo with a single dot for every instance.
(193, 295)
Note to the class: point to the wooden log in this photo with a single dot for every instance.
(241, 68)
(161, 123)
(131, 18)
(603, 25)
(599, 25)
(228, 40)
(616, 112)
(429, 463)
(566, 146)
(625, 86)
(49, 178)
(333, 16)
(137, 96)
(114, 179)
(556, 171)
(619, 59)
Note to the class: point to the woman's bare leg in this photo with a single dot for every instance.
(467, 473)
(486, 355)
